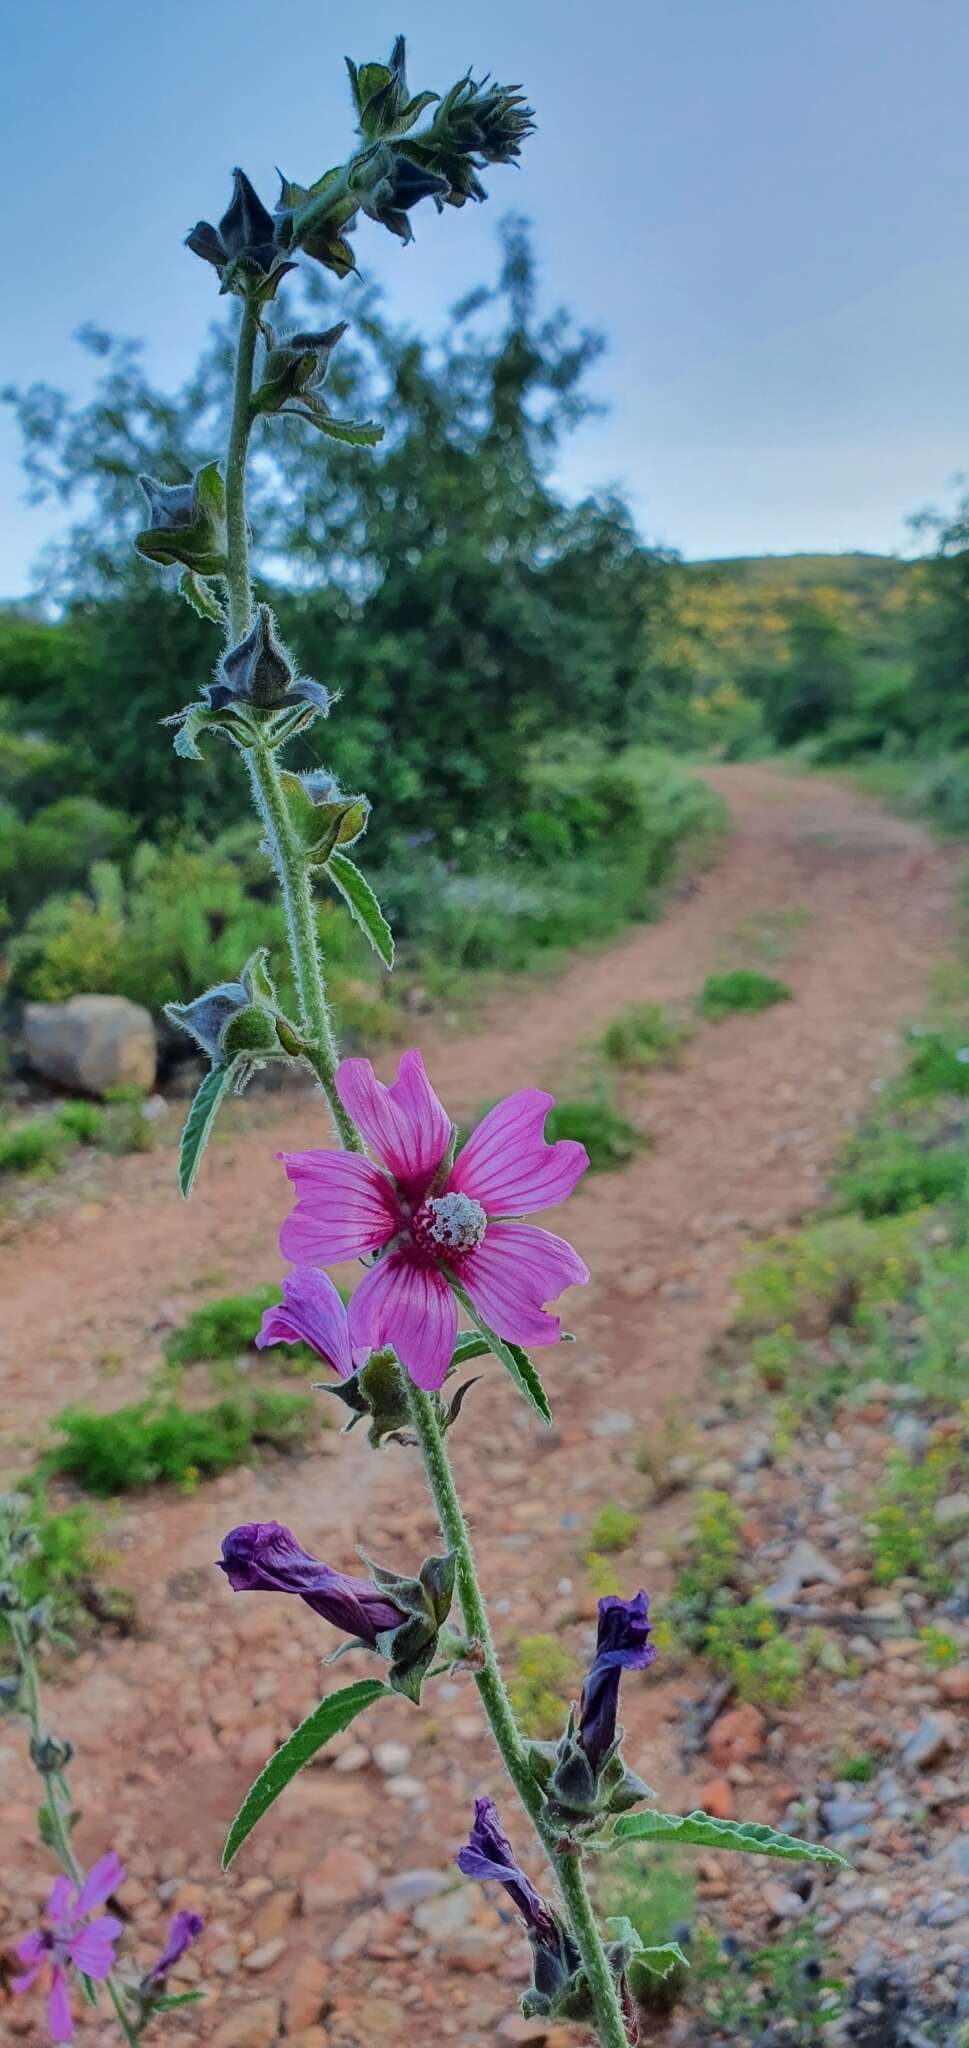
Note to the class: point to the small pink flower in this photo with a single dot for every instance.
(66, 1941)
(426, 1221)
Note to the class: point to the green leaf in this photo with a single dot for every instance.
(170, 2003)
(653, 1965)
(362, 904)
(333, 1714)
(204, 601)
(198, 1124)
(701, 1831)
(469, 1345)
(511, 1356)
(353, 433)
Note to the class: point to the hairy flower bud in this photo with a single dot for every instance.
(243, 247)
(387, 183)
(183, 1931)
(622, 1644)
(295, 364)
(381, 96)
(50, 1754)
(475, 124)
(187, 522)
(235, 1017)
(259, 672)
(488, 1855)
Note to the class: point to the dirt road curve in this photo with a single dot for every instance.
(169, 1728)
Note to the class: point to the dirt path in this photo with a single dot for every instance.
(170, 1727)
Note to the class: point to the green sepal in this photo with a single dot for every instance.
(194, 719)
(203, 601)
(362, 904)
(322, 240)
(328, 1719)
(200, 546)
(426, 1601)
(322, 827)
(198, 1124)
(251, 1032)
(700, 1831)
(377, 1390)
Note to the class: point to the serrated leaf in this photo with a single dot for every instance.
(198, 1124)
(362, 904)
(353, 433)
(328, 1719)
(469, 1345)
(701, 1831)
(203, 601)
(511, 1356)
(653, 1965)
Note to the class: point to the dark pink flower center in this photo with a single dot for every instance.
(447, 1226)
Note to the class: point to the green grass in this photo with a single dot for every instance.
(644, 1035)
(743, 989)
(610, 1139)
(887, 1171)
(37, 1147)
(710, 1614)
(161, 1443)
(41, 1146)
(221, 1329)
(906, 1540)
(64, 1565)
(937, 1064)
(857, 1769)
(613, 1528)
(843, 1270)
(656, 1890)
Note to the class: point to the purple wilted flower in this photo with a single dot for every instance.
(89, 1948)
(264, 1557)
(488, 1854)
(185, 1928)
(622, 1644)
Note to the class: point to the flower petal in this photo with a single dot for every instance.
(508, 1166)
(93, 1949)
(59, 2008)
(31, 1948)
(411, 1307)
(517, 1269)
(102, 1879)
(345, 1206)
(404, 1124)
(311, 1312)
(61, 1904)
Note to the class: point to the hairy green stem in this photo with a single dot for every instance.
(303, 937)
(610, 2025)
(268, 794)
(237, 540)
(494, 1698)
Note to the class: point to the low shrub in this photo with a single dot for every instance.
(709, 1614)
(937, 1063)
(37, 1147)
(743, 989)
(221, 1329)
(886, 1171)
(842, 1270)
(543, 1681)
(160, 1443)
(644, 1035)
(613, 1528)
(609, 1138)
(906, 1539)
(65, 1566)
(657, 1892)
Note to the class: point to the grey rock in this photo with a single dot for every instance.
(410, 1888)
(952, 1513)
(955, 1856)
(927, 1742)
(806, 1566)
(92, 1043)
(911, 1434)
(838, 1815)
(614, 1422)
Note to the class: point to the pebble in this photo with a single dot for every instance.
(952, 1512)
(838, 1815)
(411, 1887)
(392, 1758)
(613, 1422)
(264, 1957)
(928, 1741)
(306, 1988)
(255, 2027)
(354, 1758)
(804, 1567)
(343, 1877)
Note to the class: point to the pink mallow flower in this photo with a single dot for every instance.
(68, 1940)
(427, 1221)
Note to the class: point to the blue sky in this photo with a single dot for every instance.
(763, 205)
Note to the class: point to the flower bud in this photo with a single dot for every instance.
(381, 97)
(243, 247)
(325, 240)
(235, 1017)
(184, 1930)
(50, 1754)
(258, 672)
(387, 183)
(488, 1855)
(187, 522)
(294, 365)
(475, 124)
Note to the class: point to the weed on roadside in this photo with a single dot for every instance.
(743, 989)
(149, 1443)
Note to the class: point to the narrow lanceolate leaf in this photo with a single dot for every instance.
(198, 1124)
(701, 1831)
(362, 904)
(511, 1356)
(469, 1345)
(326, 1720)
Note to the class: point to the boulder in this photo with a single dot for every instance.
(92, 1044)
